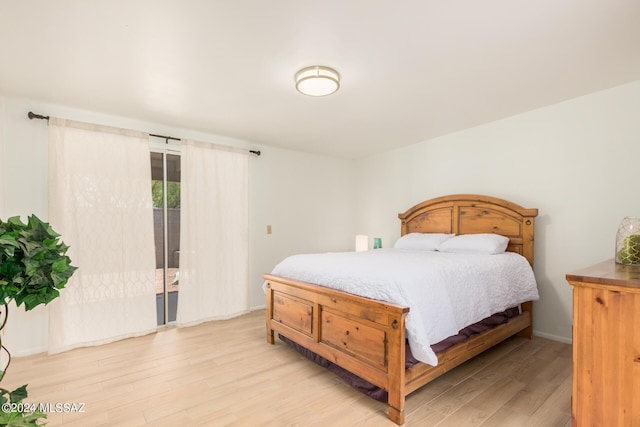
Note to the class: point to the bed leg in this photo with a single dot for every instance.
(397, 372)
(527, 332)
(396, 415)
(269, 310)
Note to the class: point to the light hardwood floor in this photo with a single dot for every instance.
(225, 374)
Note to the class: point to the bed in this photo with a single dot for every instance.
(366, 336)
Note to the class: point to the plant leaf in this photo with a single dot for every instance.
(8, 240)
(60, 266)
(19, 394)
(16, 222)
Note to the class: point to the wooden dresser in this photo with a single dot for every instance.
(606, 345)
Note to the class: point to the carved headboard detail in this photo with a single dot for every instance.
(471, 213)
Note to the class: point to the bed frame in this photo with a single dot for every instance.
(367, 337)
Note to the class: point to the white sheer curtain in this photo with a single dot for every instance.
(100, 202)
(214, 234)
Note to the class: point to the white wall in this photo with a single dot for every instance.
(307, 199)
(577, 162)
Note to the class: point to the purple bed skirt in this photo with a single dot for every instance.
(376, 392)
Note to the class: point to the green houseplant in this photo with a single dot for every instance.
(33, 268)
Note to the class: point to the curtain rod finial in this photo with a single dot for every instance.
(33, 115)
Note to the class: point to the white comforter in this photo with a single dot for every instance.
(445, 292)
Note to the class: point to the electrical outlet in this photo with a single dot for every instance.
(268, 229)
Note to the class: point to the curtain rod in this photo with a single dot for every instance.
(33, 115)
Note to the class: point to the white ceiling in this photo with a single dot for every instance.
(411, 69)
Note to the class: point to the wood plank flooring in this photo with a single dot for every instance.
(225, 374)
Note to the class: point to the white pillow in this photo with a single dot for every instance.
(422, 241)
(483, 243)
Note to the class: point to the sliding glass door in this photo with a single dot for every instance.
(165, 187)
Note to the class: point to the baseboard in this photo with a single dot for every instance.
(28, 352)
(552, 337)
(258, 307)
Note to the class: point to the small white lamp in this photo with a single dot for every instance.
(362, 243)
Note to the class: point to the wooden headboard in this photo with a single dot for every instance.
(471, 213)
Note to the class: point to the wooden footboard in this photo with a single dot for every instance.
(364, 336)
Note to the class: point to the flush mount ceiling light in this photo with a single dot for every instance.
(317, 80)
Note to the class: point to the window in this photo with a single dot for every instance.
(165, 189)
